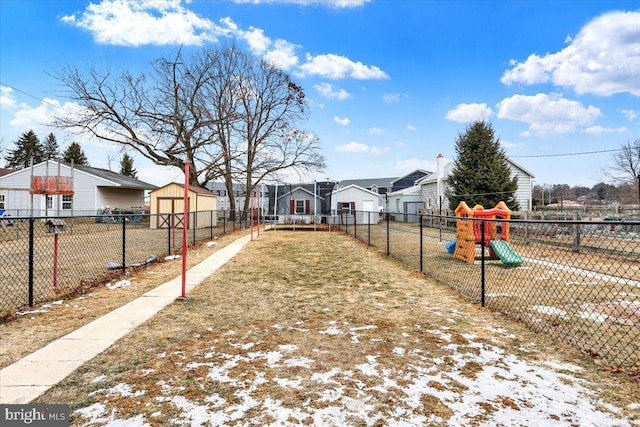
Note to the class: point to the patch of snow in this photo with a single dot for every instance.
(209, 244)
(597, 317)
(171, 257)
(121, 284)
(549, 309)
(99, 378)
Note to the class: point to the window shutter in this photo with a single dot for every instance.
(353, 207)
(307, 209)
(292, 207)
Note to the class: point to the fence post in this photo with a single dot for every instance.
(576, 236)
(169, 226)
(194, 226)
(420, 219)
(368, 228)
(30, 262)
(355, 224)
(211, 225)
(124, 242)
(388, 252)
(482, 278)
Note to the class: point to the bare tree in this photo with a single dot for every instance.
(229, 113)
(160, 116)
(626, 163)
(626, 166)
(258, 108)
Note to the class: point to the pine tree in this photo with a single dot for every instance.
(51, 149)
(481, 174)
(126, 167)
(28, 146)
(74, 153)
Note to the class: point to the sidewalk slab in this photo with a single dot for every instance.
(31, 376)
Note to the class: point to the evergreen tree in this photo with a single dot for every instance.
(28, 146)
(126, 167)
(481, 174)
(74, 153)
(51, 149)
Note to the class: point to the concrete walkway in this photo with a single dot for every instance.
(31, 376)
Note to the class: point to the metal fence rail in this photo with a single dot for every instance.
(40, 265)
(579, 281)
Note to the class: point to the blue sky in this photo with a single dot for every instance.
(391, 84)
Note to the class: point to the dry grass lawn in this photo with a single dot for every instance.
(304, 328)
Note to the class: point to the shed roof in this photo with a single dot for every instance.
(193, 188)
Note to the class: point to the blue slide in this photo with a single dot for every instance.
(451, 246)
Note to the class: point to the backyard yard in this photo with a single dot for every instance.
(314, 328)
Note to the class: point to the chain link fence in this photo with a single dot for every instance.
(578, 281)
(50, 258)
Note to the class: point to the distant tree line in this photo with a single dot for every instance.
(29, 148)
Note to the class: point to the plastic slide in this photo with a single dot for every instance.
(505, 253)
(451, 246)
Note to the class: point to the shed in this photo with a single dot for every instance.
(354, 203)
(167, 204)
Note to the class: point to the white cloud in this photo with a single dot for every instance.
(393, 98)
(375, 131)
(630, 115)
(603, 59)
(414, 163)
(507, 144)
(356, 147)
(598, 130)
(256, 39)
(137, 23)
(380, 150)
(282, 55)
(353, 147)
(344, 122)
(7, 100)
(465, 113)
(547, 114)
(335, 4)
(411, 128)
(339, 67)
(326, 90)
(41, 117)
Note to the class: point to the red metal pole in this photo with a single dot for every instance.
(259, 208)
(251, 213)
(185, 225)
(55, 262)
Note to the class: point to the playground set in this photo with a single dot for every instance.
(496, 234)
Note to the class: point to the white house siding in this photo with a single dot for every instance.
(91, 193)
(431, 195)
(408, 200)
(119, 198)
(524, 188)
(358, 197)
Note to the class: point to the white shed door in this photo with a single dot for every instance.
(367, 206)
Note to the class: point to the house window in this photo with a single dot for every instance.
(347, 207)
(49, 202)
(299, 207)
(222, 193)
(67, 201)
(2, 201)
